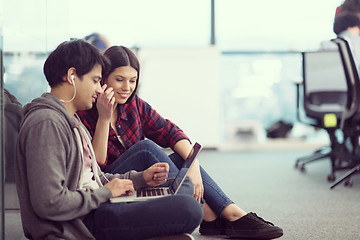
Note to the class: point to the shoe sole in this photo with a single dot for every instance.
(251, 235)
(184, 236)
(210, 232)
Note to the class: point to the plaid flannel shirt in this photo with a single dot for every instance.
(137, 120)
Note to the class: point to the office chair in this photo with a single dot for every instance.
(324, 95)
(351, 116)
(13, 114)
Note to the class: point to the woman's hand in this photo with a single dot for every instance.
(120, 186)
(105, 103)
(105, 106)
(195, 176)
(157, 174)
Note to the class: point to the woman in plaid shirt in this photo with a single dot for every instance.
(121, 121)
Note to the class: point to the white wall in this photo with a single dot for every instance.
(182, 85)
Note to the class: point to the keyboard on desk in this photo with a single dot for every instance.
(153, 192)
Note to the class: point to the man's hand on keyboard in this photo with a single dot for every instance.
(120, 186)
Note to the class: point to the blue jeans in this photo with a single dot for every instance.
(180, 213)
(147, 219)
(145, 153)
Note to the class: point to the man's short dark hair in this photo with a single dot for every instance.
(345, 20)
(350, 6)
(75, 53)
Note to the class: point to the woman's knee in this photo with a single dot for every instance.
(187, 187)
(147, 144)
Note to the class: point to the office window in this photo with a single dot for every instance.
(28, 36)
(257, 89)
(30, 30)
(2, 147)
(2, 137)
(274, 25)
(143, 23)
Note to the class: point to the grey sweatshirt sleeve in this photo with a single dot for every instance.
(50, 171)
(136, 177)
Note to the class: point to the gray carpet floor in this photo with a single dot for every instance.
(267, 183)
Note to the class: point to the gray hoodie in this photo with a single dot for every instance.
(48, 171)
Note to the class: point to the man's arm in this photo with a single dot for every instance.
(52, 173)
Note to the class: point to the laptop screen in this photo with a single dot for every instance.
(180, 177)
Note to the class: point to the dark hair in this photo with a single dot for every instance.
(97, 40)
(344, 21)
(120, 56)
(350, 6)
(75, 53)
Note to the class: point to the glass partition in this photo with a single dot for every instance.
(2, 192)
(257, 89)
(278, 25)
(31, 29)
(42, 26)
(143, 23)
(2, 164)
(253, 80)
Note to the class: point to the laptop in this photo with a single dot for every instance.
(157, 192)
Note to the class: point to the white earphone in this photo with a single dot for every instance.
(72, 80)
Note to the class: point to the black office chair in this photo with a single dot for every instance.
(350, 120)
(13, 116)
(324, 96)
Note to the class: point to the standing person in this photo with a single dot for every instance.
(348, 6)
(62, 191)
(120, 132)
(347, 26)
(98, 40)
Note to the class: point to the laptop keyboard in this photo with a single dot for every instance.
(152, 192)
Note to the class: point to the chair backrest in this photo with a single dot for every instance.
(13, 117)
(324, 83)
(352, 109)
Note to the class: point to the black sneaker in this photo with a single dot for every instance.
(251, 226)
(216, 227)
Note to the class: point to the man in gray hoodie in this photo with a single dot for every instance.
(63, 193)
